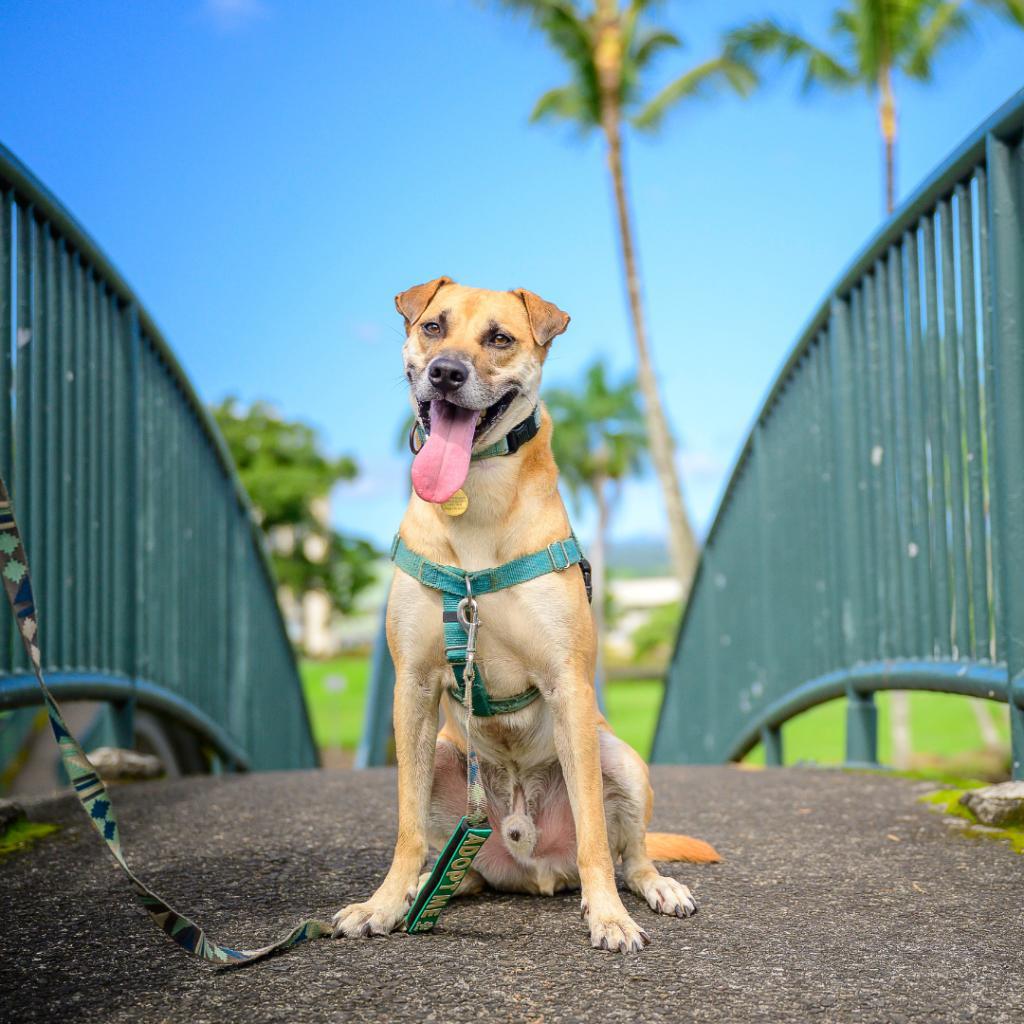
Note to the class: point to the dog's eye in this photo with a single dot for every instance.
(500, 340)
(432, 327)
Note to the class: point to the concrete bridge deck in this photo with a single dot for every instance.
(841, 898)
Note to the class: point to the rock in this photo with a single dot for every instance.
(1000, 805)
(10, 812)
(116, 763)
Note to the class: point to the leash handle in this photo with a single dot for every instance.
(88, 786)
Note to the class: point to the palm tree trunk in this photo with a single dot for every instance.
(682, 544)
(887, 120)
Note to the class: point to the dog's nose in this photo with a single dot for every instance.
(447, 374)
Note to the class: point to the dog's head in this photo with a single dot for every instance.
(473, 360)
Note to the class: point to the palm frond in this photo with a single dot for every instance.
(722, 73)
(1012, 9)
(564, 103)
(767, 38)
(570, 32)
(650, 43)
(948, 20)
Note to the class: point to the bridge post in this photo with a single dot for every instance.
(376, 747)
(771, 739)
(1006, 255)
(861, 713)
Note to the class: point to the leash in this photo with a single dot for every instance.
(88, 786)
(461, 618)
(472, 831)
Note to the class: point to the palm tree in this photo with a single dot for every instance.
(609, 51)
(599, 441)
(872, 41)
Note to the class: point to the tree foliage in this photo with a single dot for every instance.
(574, 31)
(599, 438)
(282, 465)
(869, 37)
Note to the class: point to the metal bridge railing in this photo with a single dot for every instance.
(872, 533)
(151, 578)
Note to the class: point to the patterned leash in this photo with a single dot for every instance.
(88, 786)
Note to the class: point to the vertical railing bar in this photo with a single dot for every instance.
(106, 460)
(64, 417)
(1006, 218)
(917, 410)
(861, 448)
(938, 506)
(49, 558)
(901, 460)
(972, 384)
(954, 434)
(7, 313)
(876, 455)
(95, 477)
(996, 635)
(835, 581)
(886, 469)
(37, 404)
(24, 325)
(80, 459)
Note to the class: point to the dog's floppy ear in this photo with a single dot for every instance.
(547, 321)
(413, 301)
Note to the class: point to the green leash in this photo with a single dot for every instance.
(88, 786)
(461, 618)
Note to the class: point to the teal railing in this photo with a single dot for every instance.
(872, 533)
(152, 582)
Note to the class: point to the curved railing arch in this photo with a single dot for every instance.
(152, 581)
(871, 535)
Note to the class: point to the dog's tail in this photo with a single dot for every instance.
(667, 846)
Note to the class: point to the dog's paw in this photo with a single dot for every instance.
(619, 934)
(361, 920)
(667, 896)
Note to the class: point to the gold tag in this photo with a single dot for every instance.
(456, 504)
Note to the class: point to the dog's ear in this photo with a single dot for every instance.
(547, 321)
(413, 301)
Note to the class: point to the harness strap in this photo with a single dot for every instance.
(454, 583)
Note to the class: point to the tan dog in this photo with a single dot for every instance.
(566, 797)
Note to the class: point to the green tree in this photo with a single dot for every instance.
(610, 52)
(599, 442)
(282, 465)
(871, 41)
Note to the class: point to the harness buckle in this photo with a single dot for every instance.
(565, 555)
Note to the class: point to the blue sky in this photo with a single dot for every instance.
(267, 174)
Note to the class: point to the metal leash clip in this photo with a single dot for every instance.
(469, 619)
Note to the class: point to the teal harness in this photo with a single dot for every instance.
(461, 619)
(459, 587)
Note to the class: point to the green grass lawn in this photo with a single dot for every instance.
(941, 724)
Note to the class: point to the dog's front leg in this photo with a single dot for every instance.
(574, 709)
(416, 709)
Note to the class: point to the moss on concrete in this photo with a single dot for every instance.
(947, 801)
(21, 834)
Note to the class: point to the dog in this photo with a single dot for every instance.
(566, 797)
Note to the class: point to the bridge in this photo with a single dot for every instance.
(154, 586)
(866, 540)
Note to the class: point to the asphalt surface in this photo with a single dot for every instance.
(841, 898)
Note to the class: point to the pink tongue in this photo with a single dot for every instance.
(441, 465)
